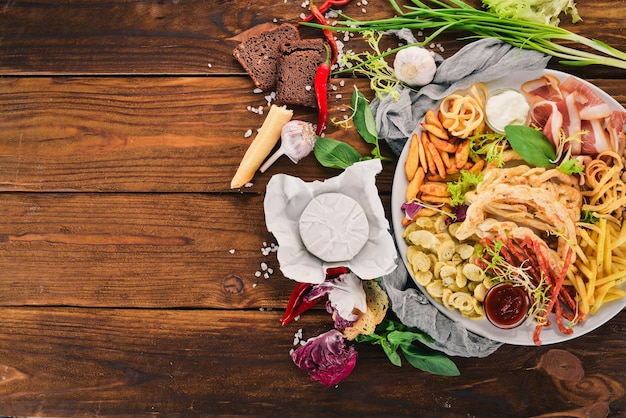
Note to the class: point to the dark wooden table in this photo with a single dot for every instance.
(128, 266)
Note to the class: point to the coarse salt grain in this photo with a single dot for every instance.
(232, 251)
(248, 133)
(248, 185)
(263, 266)
(257, 274)
(257, 91)
(254, 285)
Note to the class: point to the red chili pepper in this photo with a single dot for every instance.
(297, 304)
(327, 5)
(328, 34)
(321, 93)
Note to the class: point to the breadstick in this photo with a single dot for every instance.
(262, 145)
(413, 158)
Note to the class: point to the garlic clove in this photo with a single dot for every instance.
(297, 141)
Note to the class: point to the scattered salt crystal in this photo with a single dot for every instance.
(363, 10)
(342, 83)
(257, 274)
(292, 350)
(364, 2)
(257, 91)
(308, 88)
(254, 285)
(266, 276)
(264, 266)
(270, 270)
(302, 16)
(248, 185)
(261, 309)
(275, 20)
(210, 65)
(248, 133)
(232, 251)
(338, 96)
(432, 45)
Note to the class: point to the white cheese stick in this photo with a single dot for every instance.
(262, 145)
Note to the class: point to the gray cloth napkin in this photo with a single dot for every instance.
(482, 60)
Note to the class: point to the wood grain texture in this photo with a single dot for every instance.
(144, 134)
(128, 268)
(117, 362)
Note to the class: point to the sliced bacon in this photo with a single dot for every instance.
(596, 139)
(594, 107)
(571, 107)
(546, 87)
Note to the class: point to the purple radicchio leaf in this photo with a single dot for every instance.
(411, 209)
(326, 357)
(340, 322)
(460, 212)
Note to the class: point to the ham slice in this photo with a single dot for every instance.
(571, 107)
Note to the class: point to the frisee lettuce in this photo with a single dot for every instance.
(466, 182)
(538, 11)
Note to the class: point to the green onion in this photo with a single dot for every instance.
(457, 15)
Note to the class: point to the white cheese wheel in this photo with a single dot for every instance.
(333, 227)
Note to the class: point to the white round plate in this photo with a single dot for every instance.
(522, 335)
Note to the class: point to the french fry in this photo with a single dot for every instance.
(462, 154)
(436, 130)
(477, 167)
(441, 144)
(445, 157)
(261, 145)
(422, 152)
(435, 199)
(412, 159)
(414, 185)
(432, 168)
(435, 188)
(439, 166)
(432, 119)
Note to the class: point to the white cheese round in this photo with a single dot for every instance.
(333, 227)
(506, 107)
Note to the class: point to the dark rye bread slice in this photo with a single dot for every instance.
(297, 66)
(258, 55)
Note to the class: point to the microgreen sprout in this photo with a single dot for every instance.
(568, 165)
(503, 271)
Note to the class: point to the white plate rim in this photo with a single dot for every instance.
(522, 335)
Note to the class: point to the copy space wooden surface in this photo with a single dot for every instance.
(128, 268)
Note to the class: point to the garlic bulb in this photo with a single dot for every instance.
(297, 141)
(415, 66)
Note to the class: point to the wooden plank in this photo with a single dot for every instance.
(115, 362)
(143, 134)
(129, 37)
(151, 134)
(137, 250)
(194, 36)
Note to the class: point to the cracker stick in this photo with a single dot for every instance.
(414, 185)
(412, 159)
(262, 145)
(422, 152)
(441, 144)
(440, 167)
(462, 154)
(431, 168)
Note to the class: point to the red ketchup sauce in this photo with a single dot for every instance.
(506, 306)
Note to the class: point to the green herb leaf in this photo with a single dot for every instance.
(533, 146)
(430, 361)
(392, 352)
(589, 217)
(464, 184)
(571, 166)
(363, 118)
(335, 154)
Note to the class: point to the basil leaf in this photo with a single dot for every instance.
(335, 154)
(407, 337)
(391, 353)
(363, 118)
(533, 146)
(430, 361)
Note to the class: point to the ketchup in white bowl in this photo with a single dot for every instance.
(506, 305)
